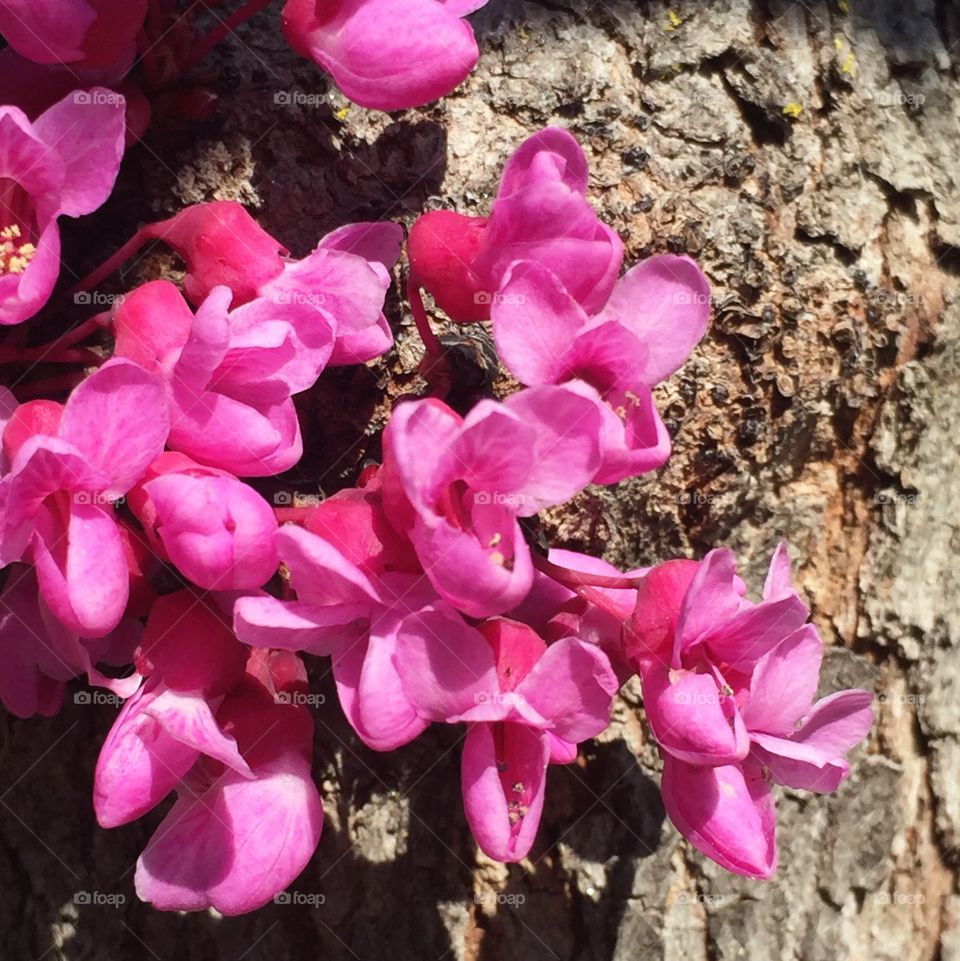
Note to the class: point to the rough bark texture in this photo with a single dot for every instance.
(806, 154)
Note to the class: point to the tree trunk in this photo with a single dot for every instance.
(806, 155)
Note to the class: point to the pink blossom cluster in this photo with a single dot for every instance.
(138, 548)
(383, 54)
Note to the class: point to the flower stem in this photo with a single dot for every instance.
(112, 262)
(221, 31)
(48, 354)
(429, 338)
(578, 579)
(53, 385)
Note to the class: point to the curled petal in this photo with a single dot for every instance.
(503, 771)
(726, 813)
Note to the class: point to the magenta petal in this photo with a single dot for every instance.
(42, 466)
(689, 716)
(466, 573)
(87, 130)
(391, 58)
(187, 717)
(565, 454)
(219, 532)
(778, 579)
(446, 666)
(573, 686)
(726, 813)
(266, 621)
(561, 751)
(320, 573)
(784, 683)
(534, 322)
(503, 770)
(711, 598)
(85, 580)
(376, 241)
(359, 346)
(209, 338)
(47, 32)
(610, 357)
(117, 418)
(384, 715)
(222, 432)
(22, 295)
(237, 844)
(634, 440)
(744, 638)
(416, 477)
(838, 722)
(279, 347)
(139, 763)
(25, 688)
(550, 153)
(799, 765)
(665, 302)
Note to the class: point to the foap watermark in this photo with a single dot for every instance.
(300, 298)
(896, 497)
(97, 298)
(302, 898)
(97, 697)
(97, 497)
(298, 98)
(99, 899)
(896, 98)
(500, 698)
(296, 499)
(300, 698)
(700, 897)
(899, 898)
(99, 98)
(485, 298)
(895, 298)
(698, 498)
(701, 698)
(906, 700)
(498, 498)
(690, 297)
(496, 899)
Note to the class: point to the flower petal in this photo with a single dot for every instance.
(503, 771)
(726, 813)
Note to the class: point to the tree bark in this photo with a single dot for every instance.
(806, 155)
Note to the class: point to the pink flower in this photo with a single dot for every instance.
(343, 612)
(655, 316)
(541, 214)
(64, 163)
(456, 486)
(85, 33)
(384, 54)
(40, 655)
(596, 615)
(219, 532)
(226, 733)
(233, 842)
(354, 521)
(339, 287)
(231, 374)
(695, 639)
(526, 705)
(68, 465)
(728, 690)
(190, 660)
